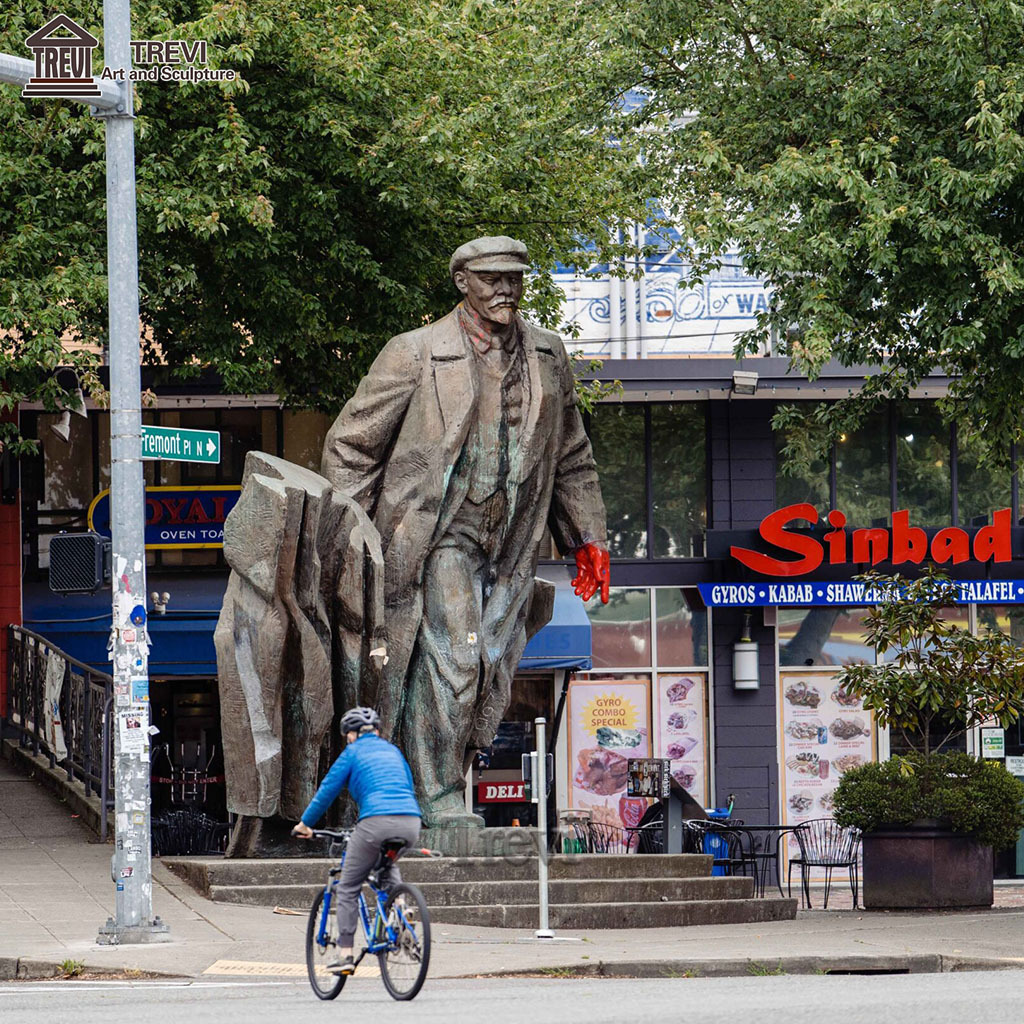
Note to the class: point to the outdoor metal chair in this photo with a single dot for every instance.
(609, 838)
(824, 844)
(648, 838)
(729, 852)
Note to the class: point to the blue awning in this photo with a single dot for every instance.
(565, 641)
(182, 640)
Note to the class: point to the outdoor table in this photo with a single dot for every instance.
(760, 839)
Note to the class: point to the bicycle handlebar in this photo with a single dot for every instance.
(334, 836)
(343, 835)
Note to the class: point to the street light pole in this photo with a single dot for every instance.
(129, 638)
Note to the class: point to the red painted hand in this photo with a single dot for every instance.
(593, 572)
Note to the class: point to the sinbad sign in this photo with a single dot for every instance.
(793, 548)
(899, 544)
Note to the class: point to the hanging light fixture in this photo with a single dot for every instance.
(745, 675)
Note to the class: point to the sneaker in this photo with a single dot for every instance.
(344, 967)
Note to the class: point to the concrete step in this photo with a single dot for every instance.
(621, 915)
(205, 873)
(578, 891)
(570, 892)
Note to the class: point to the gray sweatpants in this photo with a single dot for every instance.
(360, 856)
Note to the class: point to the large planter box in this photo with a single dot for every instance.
(923, 867)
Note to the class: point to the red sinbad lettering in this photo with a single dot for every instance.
(951, 545)
(900, 543)
(909, 543)
(993, 542)
(773, 530)
(870, 546)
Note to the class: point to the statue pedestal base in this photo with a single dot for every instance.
(269, 837)
(461, 841)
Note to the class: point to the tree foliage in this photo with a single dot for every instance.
(937, 680)
(291, 221)
(866, 158)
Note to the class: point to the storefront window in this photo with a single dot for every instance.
(862, 472)
(679, 479)
(980, 489)
(922, 464)
(621, 629)
(823, 636)
(617, 437)
(681, 627)
(240, 432)
(806, 484)
(958, 615)
(1005, 619)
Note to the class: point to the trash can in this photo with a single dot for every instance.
(572, 827)
(717, 846)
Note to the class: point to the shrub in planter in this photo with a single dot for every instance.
(938, 682)
(972, 797)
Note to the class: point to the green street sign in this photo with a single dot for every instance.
(175, 444)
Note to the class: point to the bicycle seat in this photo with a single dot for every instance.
(389, 851)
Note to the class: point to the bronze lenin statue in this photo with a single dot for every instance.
(461, 445)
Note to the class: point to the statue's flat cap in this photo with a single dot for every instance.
(496, 254)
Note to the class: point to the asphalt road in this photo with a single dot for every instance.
(985, 998)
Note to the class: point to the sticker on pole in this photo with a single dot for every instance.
(131, 731)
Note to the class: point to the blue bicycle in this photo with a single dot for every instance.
(398, 933)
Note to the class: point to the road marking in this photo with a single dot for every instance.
(29, 986)
(252, 968)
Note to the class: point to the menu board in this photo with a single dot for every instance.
(608, 726)
(680, 730)
(825, 732)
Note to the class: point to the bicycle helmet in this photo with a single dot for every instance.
(359, 720)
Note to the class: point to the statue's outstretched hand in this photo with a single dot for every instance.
(593, 572)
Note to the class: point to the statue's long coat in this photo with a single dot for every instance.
(393, 449)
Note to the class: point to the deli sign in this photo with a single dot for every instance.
(800, 552)
(501, 792)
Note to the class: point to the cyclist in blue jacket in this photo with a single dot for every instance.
(379, 780)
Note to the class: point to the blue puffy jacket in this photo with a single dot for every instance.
(375, 773)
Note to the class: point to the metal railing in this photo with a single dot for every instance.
(61, 706)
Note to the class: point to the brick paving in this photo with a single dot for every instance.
(1008, 893)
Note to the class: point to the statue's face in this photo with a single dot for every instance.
(495, 296)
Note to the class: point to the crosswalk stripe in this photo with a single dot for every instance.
(251, 968)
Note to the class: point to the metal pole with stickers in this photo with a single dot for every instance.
(133, 920)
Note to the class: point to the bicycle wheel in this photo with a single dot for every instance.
(403, 966)
(325, 985)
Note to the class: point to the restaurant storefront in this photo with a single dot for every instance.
(770, 558)
(690, 470)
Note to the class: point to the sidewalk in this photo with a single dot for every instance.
(56, 891)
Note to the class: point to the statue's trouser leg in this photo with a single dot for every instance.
(444, 676)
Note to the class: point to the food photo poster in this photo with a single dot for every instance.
(680, 730)
(825, 731)
(609, 725)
